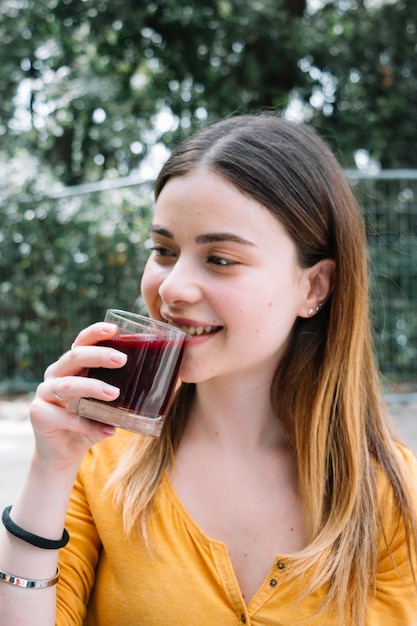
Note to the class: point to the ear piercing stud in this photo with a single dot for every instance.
(316, 310)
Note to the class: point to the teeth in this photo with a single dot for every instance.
(196, 330)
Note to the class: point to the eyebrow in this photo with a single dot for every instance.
(206, 238)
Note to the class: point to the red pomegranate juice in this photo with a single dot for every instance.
(144, 388)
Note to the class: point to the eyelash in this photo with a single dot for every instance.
(218, 260)
(162, 252)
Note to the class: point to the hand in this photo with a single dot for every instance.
(62, 437)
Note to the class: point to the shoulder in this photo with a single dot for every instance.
(407, 463)
(409, 459)
(388, 504)
(395, 601)
(102, 458)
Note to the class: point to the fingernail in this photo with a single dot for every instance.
(107, 327)
(118, 357)
(111, 391)
(107, 429)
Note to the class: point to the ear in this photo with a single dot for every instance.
(320, 281)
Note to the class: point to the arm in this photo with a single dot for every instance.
(61, 440)
(395, 602)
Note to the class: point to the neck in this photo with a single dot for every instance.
(238, 416)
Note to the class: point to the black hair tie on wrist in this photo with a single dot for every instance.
(34, 540)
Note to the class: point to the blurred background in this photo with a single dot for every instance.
(93, 96)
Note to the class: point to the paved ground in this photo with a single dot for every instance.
(16, 439)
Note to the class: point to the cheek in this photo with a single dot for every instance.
(150, 287)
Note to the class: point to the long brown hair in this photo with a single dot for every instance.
(326, 390)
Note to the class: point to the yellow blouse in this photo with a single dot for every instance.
(108, 580)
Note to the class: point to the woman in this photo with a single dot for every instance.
(277, 493)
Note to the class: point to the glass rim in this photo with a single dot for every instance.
(132, 316)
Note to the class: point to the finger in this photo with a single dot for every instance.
(69, 431)
(54, 390)
(100, 331)
(79, 359)
(69, 389)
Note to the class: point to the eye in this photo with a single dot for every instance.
(217, 260)
(161, 252)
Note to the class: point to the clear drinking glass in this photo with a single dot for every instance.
(147, 381)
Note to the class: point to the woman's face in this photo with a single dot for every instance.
(223, 268)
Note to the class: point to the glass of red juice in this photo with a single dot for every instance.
(147, 381)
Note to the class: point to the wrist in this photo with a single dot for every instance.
(31, 538)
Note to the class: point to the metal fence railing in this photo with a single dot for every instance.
(66, 257)
(390, 204)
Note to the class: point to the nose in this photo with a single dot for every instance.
(181, 284)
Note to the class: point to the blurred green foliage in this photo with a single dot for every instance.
(63, 262)
(89, 86)
(94, 90)
(361, 78)
(85, 82)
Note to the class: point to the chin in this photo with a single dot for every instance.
(188, 378)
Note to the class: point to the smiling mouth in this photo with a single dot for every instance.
(197, 330)
(200, 330)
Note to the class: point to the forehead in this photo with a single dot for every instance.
(205, 198)
(203, 208)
